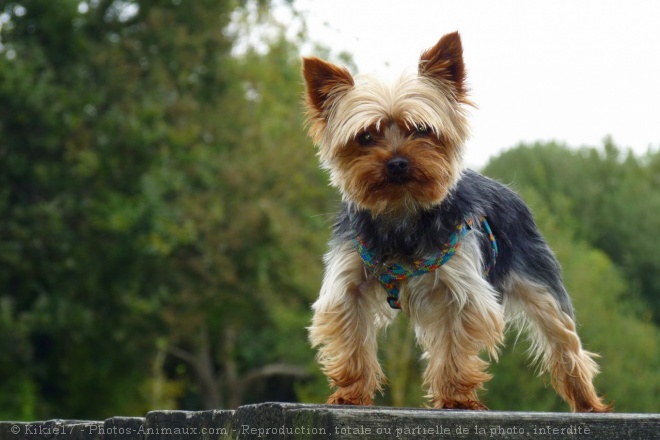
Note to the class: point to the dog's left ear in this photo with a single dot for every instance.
(444, 61)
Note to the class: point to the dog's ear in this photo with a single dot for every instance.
(325, 82)
(444, 61)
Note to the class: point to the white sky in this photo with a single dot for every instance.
(569, 70)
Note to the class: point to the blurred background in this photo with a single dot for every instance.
(163, 217)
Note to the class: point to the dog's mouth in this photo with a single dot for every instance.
(404, 188)
(399, 180)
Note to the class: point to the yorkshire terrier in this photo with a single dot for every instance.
(456, 252)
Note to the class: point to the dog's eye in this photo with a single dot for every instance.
(365, 139)
(422, 130)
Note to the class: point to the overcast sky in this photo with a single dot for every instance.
(569, 70)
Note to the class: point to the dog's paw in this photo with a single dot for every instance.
(473, 405)
(340, 399)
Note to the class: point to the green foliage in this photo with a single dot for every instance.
(73, 269)
(158, 194)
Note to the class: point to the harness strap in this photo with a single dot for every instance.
(390, 277)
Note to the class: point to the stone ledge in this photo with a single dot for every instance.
(281, 421)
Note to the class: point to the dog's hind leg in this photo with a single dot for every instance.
(547, 316)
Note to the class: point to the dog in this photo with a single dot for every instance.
(418, 233)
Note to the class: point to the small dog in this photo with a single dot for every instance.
(456, 252)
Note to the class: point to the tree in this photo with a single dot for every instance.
(265, 233)
(160, 209)
(73, 268)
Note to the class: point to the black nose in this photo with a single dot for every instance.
(398, 166)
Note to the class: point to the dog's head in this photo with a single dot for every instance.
(391, 147)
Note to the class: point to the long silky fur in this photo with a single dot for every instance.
(459, 310)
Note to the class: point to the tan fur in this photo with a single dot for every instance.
(555, 344)
(347, 316)
(454, 311)
(456, 316)
(363, 178)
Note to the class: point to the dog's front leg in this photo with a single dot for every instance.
(456, 316)
(344, 329)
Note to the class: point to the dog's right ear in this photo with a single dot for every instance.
(325, 82)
